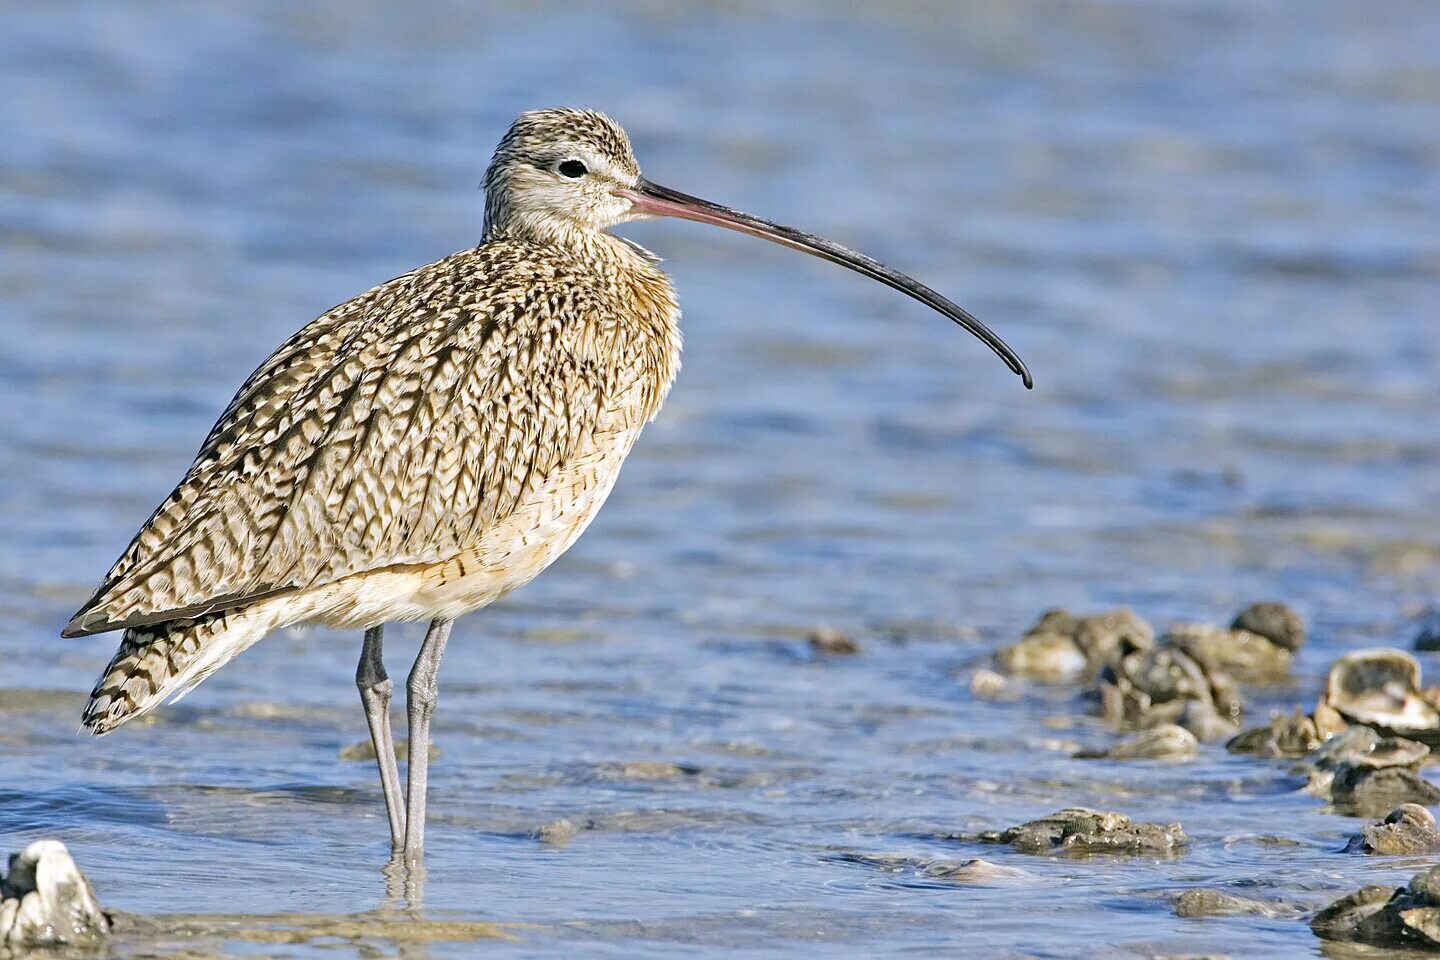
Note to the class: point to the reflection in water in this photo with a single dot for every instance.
(1216, 247)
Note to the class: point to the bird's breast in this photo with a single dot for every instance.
(508, 554)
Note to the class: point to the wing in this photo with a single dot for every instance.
(392, 430)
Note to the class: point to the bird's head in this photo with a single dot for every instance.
(558, 173)
(564, 175)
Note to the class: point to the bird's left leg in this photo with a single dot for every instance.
(422, 689)
(375, 689)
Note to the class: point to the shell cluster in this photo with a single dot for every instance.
(1360, 748)
(1187, 678)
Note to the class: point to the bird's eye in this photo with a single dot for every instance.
(573, 169)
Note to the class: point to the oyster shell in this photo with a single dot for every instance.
(1247, 656)
(1077, 830)
(1292, 735)
(46, 901)
(1062, 646)
(1144, 687)
(1408, 830)
(1164, 742)
(1407, 916)
(1380, 688)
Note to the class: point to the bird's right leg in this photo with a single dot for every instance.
(375, 691)
(423, 689)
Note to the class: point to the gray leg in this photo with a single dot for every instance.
(423, 690)
(375, 690)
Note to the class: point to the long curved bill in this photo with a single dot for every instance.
(655, 200)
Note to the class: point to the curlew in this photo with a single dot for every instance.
(430, 445)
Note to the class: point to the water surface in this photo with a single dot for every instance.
(1212, 229)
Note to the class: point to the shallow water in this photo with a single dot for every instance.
(1212, 229)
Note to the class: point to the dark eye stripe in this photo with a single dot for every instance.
(573, 169)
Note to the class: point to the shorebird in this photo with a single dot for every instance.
(430, 445)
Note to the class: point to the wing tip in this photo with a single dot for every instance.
(83, 624)
(94, 617)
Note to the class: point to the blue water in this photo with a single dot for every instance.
(1212, 229)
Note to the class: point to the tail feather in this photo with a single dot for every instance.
(164, 661)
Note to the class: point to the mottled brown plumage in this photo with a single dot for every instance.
(398, 427)
(428, 446)
(395, 431)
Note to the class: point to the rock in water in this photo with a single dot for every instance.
(1204, 722)
(1062, 646)
(1275, 622)
(1207, 902)
(1244, 655)
(989, 685)
(972, 871)
(1427, 636)
(1145, 687)
(1387, 917)
(1409, 830)
(46, 901)
(1164, 742)
(832, 641)
(1076, 830)
(1284, 736)
(1366, 789)
(1359, 916)
(1361, 770)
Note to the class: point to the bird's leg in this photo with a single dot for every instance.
(423, 689)
(375, 690)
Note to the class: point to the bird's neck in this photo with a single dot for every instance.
(604, 251)
(507, 224)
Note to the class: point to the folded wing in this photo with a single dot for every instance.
(392, 430)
